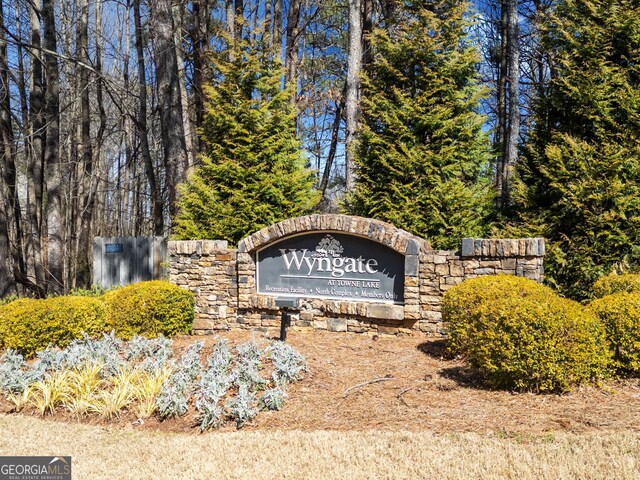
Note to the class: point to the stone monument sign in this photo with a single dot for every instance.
(331, 265)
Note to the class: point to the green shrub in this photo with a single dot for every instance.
(521, 335)
(472, 294)
(620, 314)
(149, 309)
(93, 291)
(29, 325)
(616, 283)
(8, 299)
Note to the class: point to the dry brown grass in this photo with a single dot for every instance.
(108, 453)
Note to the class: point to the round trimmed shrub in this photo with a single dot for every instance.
(522, 336)
(149, 309)
(473, 294)
(29, 325)
(613, 283)
(620, 314)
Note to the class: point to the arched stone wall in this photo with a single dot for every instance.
(385, 233)
(224, 279)
(254, 308)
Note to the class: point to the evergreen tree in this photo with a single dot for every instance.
(253, 172)
(421, 152)
(579, 182)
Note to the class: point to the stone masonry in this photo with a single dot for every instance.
(224, 282)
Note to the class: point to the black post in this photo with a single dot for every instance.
(285, 321)
(287, 305)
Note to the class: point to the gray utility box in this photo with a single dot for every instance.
(287, 302)
(126, 260)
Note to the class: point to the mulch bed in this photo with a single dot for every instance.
(357, 382)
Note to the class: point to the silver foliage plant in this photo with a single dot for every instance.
(288, 363)
(243, 407)
(273, 399)
(152, 353)
(14, 373)
(106, 351)
(173, 400)
(221, 357)
(226, 388)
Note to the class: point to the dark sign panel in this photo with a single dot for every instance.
(331, 265)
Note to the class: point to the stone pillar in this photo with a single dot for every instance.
(208, 269)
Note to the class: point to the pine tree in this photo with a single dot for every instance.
(253, 172)
(421, 152)
(579, 182)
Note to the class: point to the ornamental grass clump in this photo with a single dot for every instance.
(84, 385)
(520, 335)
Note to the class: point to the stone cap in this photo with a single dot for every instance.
(377, 230)
(195, 247)
(503, 247)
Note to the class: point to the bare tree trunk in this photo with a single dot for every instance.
(277, 30)
(85, 151)
(367, 28)
(35, 269)
(199, 38)
(389, 13)
(501, 107)
(332, 148)
(231, 18)
(388, 10)
(352, 101)
(291, 51)
(10, 230)
(178, 15)
(99, 83)
(238, 20)
(169, 100)
(55, 217)
(513, 128)
(508, 102)
(141, 124)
